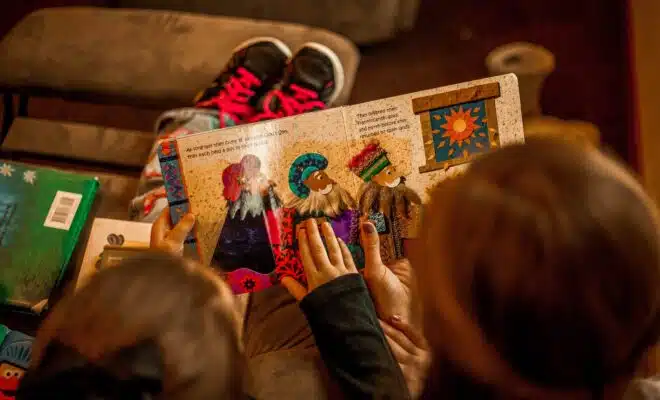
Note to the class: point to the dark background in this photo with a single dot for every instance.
(448, 45)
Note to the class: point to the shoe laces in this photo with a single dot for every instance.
(296, 100)
(233, 100)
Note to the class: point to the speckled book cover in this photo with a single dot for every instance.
(250, 186)
(42, 213)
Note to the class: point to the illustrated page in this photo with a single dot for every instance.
(402, 146)
(249, 186)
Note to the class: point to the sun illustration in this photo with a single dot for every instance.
(460, 126)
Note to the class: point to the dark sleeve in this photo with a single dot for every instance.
(350, 340)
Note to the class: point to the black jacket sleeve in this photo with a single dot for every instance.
(351, 341)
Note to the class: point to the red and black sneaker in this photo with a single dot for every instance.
(253, 69)
(312, 81)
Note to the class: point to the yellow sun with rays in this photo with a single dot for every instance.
(460, 126)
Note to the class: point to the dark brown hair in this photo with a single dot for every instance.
(183, 308)
(539, 273)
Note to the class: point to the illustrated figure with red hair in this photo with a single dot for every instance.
(244, 249)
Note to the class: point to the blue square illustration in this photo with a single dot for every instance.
(459, 131)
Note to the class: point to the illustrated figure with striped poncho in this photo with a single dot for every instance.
(384, 199)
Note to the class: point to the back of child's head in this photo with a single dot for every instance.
(154, 327)
(540, 273)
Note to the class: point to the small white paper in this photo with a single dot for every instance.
(63, 210)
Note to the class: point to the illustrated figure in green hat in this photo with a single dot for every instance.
(315, 195)
(384, 198)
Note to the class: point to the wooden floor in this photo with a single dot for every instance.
(448, 45)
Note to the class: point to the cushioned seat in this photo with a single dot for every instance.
(138, 57)
(75, 141)
(363, 21)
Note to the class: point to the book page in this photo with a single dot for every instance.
(268, 149)
(402, 146)
(400, 132)
(251, 186)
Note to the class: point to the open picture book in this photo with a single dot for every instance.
(251, 186)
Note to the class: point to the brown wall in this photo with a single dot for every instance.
(449, 45)
(451, 40)
(646, 34)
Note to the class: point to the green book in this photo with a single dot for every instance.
(42, 213)
(3, 333)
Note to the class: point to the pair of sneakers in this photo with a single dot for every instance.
(263, 81)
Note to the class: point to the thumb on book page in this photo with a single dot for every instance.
(182, 229)
(373, 264)
(297, 290)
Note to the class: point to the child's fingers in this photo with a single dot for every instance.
(400, 355)
(306, 255)
(295, 288)
(398, 336)
(334, 251)
(413, 334)
(347, 256)
(160, 227)
(182, 229)
(371, 246)
(316, 247)
(400, 266)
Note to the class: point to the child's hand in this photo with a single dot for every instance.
(390, 286)
(411, 352)
(167, 238)
(321, 265)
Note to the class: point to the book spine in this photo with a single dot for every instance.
(175, 187)
(90, 189)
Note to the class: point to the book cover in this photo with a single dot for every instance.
(105, 238)
(42, 213)
(15, 353)
(250, 186)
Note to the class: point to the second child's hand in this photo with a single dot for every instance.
(321, 265)
(390, 285)
(410, 350)
(169, 238)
